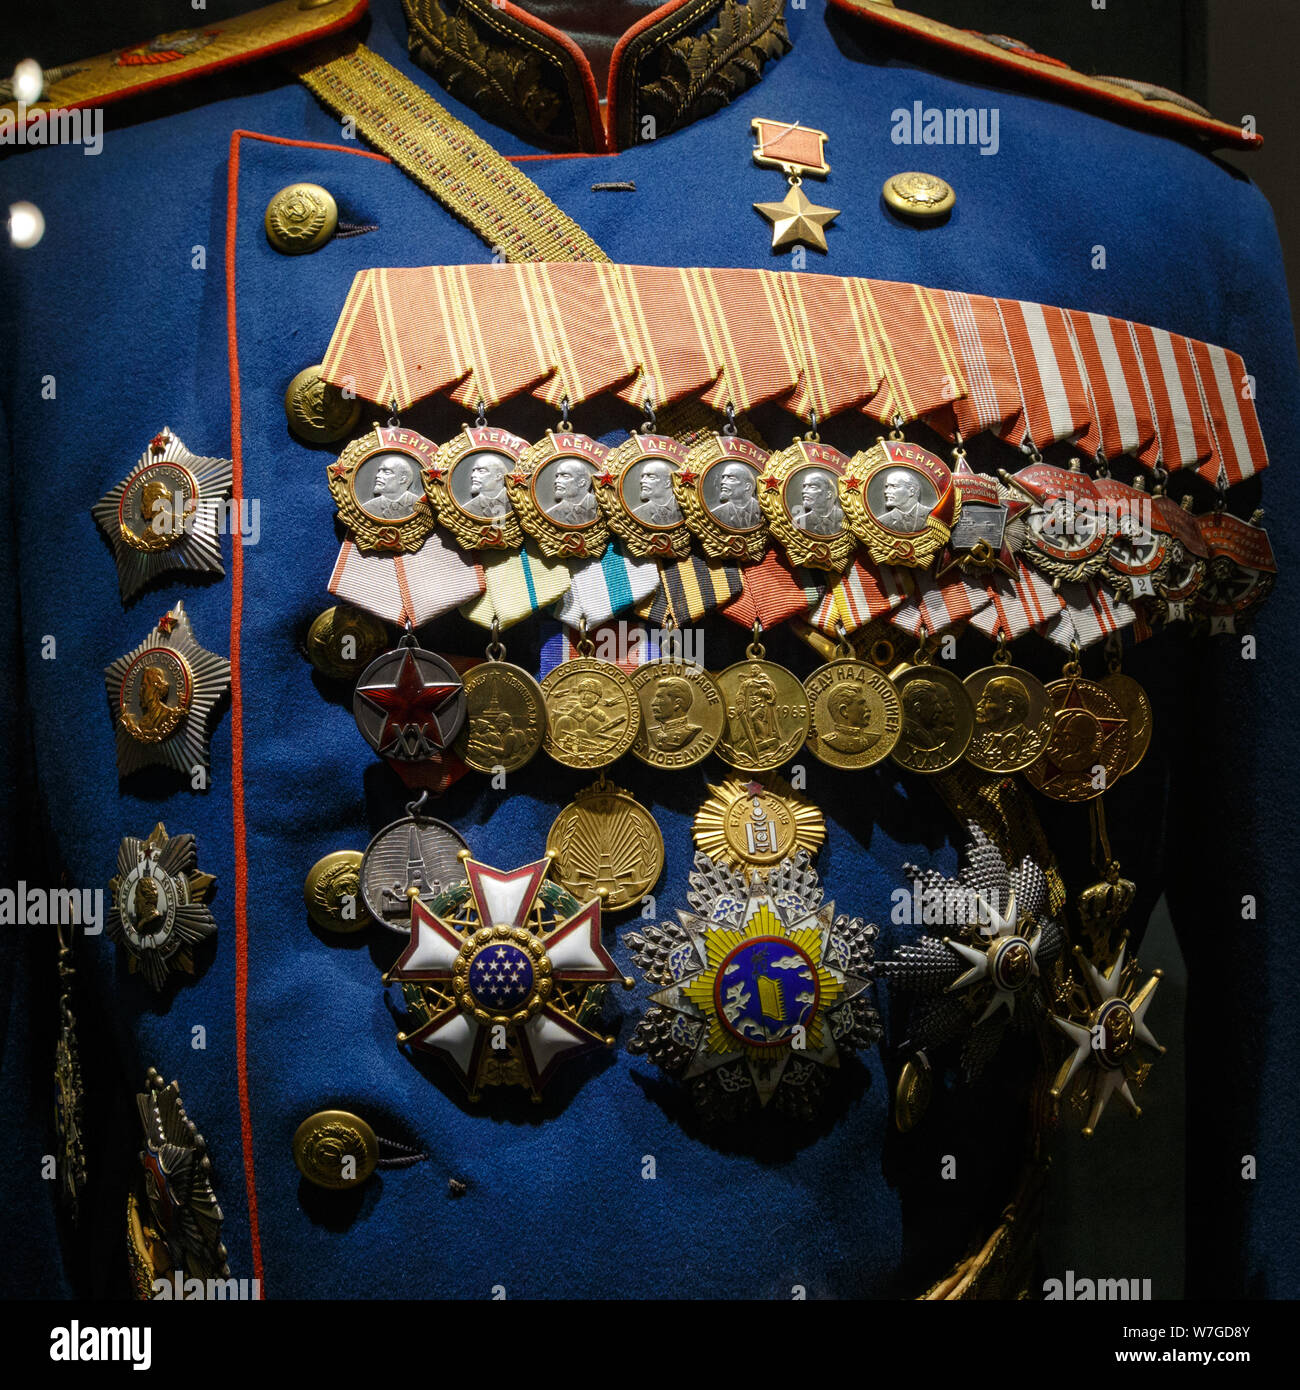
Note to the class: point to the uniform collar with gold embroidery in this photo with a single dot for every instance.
(670, 65)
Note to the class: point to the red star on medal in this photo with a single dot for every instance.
(853, 484)
(605, 479)
(158, 443)
(687, 476)
(434, 475)
(166, 623)
(770, 483)
(410, 701)
(1109, 726)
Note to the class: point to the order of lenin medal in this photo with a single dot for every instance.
(900, 501)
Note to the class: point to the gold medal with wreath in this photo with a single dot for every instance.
(900, 502)
(378, 487)
(800, 497)
(466, 484)
(553, 492)
(717, 489)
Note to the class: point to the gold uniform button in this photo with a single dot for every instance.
(335, 1149)
(342, 642)
(319, 413)
(332, 892)
(923, 196)
(301, 218)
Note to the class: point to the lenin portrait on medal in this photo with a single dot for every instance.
(730, 494)
(477, 484)
(901, 499)
(565, 492)
(387, 486)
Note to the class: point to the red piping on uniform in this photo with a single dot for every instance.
(616, 60)
(574, 52)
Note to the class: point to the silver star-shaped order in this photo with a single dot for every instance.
(1109, 1073)
(687, 1038)
(178, 1182)
(963, 983)
(192, 542)
(159, 875)
(187, 746)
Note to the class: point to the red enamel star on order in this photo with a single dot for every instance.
(410, 700)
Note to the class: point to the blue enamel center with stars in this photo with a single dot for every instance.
(501, 977)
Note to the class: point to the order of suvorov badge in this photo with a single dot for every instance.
(160, 696)
(165, 513)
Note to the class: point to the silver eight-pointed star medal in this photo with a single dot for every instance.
(160, 697)
(165, 514)
(158, 911)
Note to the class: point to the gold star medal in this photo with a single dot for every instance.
(796, 150)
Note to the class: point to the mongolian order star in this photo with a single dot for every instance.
(1104, 1041)
(971, 981)
(410, 706)
(794, 218)
(761, 985)
(504, 962)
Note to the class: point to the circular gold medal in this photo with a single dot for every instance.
(1136, 707)
(756, 824)
(606, 842)
(767, 714)
(1089, 743)
(856, 713)
(938, 720)
(1013, 718)
(332, 892)
(505, 717)
(592, 713)
(343, 641)
(682, 713)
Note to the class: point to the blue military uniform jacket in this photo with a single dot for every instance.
(155, 299)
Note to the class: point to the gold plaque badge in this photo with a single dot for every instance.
(800, 497)
(592, 712)
(767, 713)
(1089, 743)
(856, 713)
(606, 844)
(1013, 717)
(466, 483)
(938, 721)
(553, 492)
(682, 713)
(505, 715)
(379, 490)
(717, 488)
(900, 502)
(755, 824)
(636, 494)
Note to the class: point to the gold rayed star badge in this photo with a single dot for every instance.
(794, 218)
